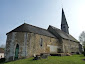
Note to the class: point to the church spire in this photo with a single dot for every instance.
(64, 24)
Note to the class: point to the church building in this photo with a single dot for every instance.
(27, 40)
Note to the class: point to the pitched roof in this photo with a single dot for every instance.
(33, 29)
(61, 33)
(1, 50)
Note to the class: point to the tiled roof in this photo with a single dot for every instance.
(33, 29)
(61, 33)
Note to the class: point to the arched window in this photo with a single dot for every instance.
(41, 42)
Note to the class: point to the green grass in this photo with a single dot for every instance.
(75, 59)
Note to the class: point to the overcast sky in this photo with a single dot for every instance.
(41, 13)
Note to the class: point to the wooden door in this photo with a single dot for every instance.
(17, 51)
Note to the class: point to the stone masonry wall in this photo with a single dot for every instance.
(70, 46)
(35, 47)
(29, 44)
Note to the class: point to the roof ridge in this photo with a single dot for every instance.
(36, 26)
(60, 29)
(31, 28)
(70, 37)
(28, 24)
(54, 27)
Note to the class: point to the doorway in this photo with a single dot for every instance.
(16, 51)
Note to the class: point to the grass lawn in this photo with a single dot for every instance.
(75, 59)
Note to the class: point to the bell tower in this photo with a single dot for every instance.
(64, 24)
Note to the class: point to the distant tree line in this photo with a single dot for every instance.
(2, 46)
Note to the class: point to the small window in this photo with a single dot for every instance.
(41, 42)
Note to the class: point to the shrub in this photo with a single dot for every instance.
(2, 60)
(84, 51)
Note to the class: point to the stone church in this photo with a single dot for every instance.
(27, 40)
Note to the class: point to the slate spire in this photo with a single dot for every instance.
(64, 24)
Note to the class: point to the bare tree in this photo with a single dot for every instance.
(82, 38)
